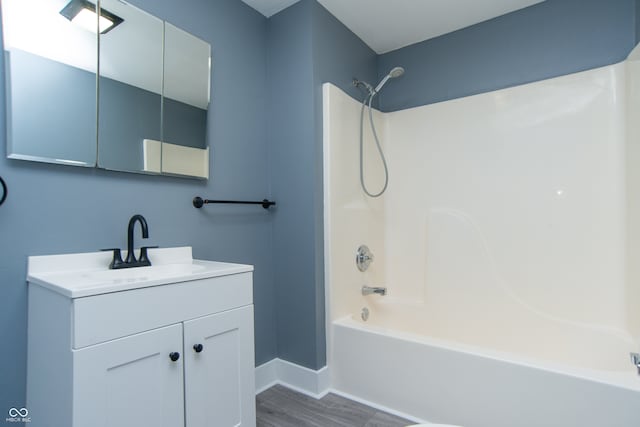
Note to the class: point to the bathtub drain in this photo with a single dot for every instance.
(365, 314)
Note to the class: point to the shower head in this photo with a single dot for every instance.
(395, 72)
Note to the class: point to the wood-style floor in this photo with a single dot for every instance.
(281, 407)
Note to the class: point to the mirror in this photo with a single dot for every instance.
(187, 67)
(129, 87)
(51, 78)
(150, 115)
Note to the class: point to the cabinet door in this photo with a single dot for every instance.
(219, 375)
(130, 381)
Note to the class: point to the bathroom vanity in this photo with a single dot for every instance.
(165, 345)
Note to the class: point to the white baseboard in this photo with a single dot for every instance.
(266, 376)
(309, 382)
(304, 380)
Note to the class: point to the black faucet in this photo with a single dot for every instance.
(131, 261)
(131, 258)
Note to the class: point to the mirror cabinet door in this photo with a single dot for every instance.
(187, 71)
(50, 65)
(150, 112)
(130, 89)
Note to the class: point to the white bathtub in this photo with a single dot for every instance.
(443, 381)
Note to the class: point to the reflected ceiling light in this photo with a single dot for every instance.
(83, 13)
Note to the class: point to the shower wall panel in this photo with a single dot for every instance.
(351, 218)
(514, 198)
(633, 192)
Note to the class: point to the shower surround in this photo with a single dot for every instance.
(506, 240)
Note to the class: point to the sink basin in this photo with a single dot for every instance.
(88, 274)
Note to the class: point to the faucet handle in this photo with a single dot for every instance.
(144, 257)
(116, 261)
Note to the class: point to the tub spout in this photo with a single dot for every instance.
(368, 290)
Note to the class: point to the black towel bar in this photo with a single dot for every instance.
(198, 202)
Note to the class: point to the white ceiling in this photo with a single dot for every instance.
(386, 25)
(269, 7)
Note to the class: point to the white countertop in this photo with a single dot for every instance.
(87, 274)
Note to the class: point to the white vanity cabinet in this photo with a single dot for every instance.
(173, 354)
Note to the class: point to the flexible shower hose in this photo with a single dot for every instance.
(375, 137)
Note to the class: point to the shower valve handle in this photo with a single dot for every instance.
(364, 257)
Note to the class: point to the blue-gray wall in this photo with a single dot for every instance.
(306, 47)
(60, 209)
(549, 39)
(291, 155)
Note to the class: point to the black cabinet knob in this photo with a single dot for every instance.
(174, 356)
(198, 348)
